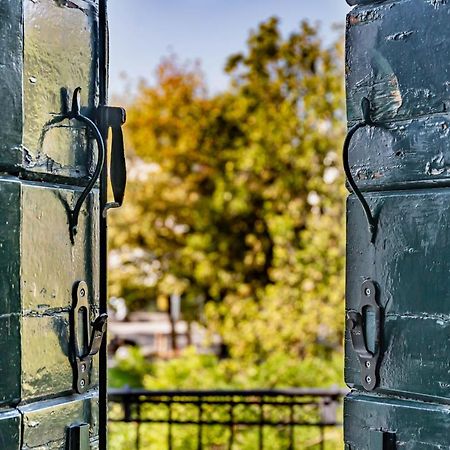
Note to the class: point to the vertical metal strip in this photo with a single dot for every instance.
(103, 101)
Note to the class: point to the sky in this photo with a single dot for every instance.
(142, 31)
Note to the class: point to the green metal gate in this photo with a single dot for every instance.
(53, 92)
(397, 159)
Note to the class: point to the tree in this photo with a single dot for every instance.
(236, 200)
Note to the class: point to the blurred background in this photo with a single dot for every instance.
(226, 260)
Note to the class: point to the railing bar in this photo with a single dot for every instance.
(138, 427)
(332, 393)
(261, 425)
(200, 426)
(231, 440)
(169, 431)
(266, 423)
(278, 410)
(291, 427)
(286, 403)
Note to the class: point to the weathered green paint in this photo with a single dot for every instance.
(409, 261)
(395, 56)
(40, 268)
(417, 425)
(398, 60)
(10, 430)
(49, 48)
(46, 423)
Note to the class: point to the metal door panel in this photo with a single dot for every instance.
(10, 367)
(392, 56)
(41, 266)
(51, 264)
(60, 54)
(45, 424)
(402, 154)
(410, 263)
(47, 49)
(9, 246)
(10, 429)
(398, 61)
(11, 64)
(413, 425)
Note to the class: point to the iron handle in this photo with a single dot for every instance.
(75, 114)
(367, 121)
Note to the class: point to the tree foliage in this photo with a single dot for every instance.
(235, 200)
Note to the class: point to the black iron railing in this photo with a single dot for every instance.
(226, 419)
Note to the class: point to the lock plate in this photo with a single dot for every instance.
(357, 324)
(86, 340)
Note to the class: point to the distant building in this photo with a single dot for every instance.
(152, 332)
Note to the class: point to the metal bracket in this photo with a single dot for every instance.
(86, 342)
(357, 323)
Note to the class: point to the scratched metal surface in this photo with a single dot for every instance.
(400, 62)
(418, 426)
(410, 263)
(49, 48)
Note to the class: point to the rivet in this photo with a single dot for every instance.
(368, 379)
(367, 292)
(82, 292)
(368, 364)
(82, 383)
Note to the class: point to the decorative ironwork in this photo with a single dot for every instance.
(285, 419)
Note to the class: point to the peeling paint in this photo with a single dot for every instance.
(437, 3)
(399, 36)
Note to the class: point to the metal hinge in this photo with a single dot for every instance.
(86, 339)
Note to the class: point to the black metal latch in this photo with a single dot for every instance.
(78, 437)
(113, 118)
(365, 331)
(86, 342)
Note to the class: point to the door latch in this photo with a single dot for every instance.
(86, 338)
(365, 332)
(113, 118)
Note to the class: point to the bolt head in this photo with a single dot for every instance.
(82, 383)
(368, 364)
(368, 379)
(367, 292)
(82, 292)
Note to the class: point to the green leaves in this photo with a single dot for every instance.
(236, 200)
